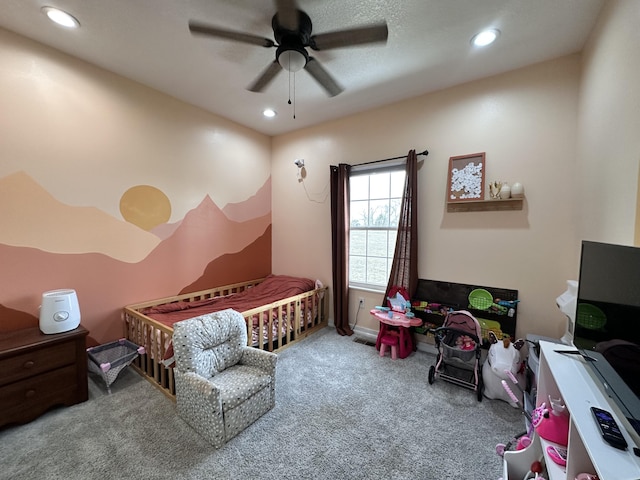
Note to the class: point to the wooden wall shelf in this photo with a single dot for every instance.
(486, 205)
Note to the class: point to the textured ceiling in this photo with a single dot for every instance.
(428, 48)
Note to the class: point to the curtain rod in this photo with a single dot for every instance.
(425, 153)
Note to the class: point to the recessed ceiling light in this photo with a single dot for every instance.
(268, 112)
(485, 38)
(60, 17)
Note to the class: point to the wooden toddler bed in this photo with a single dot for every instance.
(267, 305)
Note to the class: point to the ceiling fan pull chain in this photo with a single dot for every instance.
(294, 93)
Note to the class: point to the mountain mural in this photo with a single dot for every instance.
(235, 268)
(258, 205)
(31, 217)
(205, 249)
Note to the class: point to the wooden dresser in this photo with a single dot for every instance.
(39, 371)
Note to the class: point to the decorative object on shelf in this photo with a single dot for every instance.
(494, 189)
(505, 191)
(466, 178)
(517, 190)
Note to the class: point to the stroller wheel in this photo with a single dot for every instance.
(432, 374)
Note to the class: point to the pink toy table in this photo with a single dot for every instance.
(398, 325)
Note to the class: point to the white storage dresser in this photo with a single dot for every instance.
(570, 378)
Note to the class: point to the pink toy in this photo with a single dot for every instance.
(389, 340)
(523, 439)
(554, 425)
(503, 362)
(558, 455)
(465, 342)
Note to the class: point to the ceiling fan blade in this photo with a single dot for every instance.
(287, 12)
(323, 77)
(265, 77)
(202, 29)
(347, 38)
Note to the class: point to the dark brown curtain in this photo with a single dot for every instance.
(404, 269)
(340, 246)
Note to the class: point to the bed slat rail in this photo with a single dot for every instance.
(269, 327)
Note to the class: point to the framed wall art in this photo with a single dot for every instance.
(465, 181)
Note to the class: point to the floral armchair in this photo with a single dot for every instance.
(222, 385)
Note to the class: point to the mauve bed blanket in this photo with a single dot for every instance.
(272, 289)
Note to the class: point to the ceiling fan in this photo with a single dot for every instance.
(292, 31)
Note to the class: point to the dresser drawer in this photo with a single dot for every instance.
(43, 390)
(35, 362)
(39, 371)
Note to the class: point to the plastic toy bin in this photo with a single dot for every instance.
(110, 359)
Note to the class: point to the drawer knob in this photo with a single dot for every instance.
(29, 364)
(30, 393)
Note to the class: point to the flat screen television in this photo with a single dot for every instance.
(608, 304)
(608, 308)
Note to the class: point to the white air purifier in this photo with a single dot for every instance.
(59, 311)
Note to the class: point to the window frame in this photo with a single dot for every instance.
(370, 170)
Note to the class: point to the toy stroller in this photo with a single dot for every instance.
(458, 341)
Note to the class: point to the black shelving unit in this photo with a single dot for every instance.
(456, 296)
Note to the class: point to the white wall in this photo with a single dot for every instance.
(73, 139)
(525, 121)
(87, 135)
(609, 126)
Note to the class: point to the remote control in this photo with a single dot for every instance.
(609, 428)
(558, 455)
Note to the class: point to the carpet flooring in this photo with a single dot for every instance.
(342, 412)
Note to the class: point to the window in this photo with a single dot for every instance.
(375, 201)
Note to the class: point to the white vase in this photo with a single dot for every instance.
(505, 191)
(517, 190)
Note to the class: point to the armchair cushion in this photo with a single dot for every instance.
(239, 383)
(211, 343)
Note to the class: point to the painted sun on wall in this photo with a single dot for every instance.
(145, 206)
(112, 262)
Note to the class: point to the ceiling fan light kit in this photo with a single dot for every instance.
(292, 60)
(292, 31)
